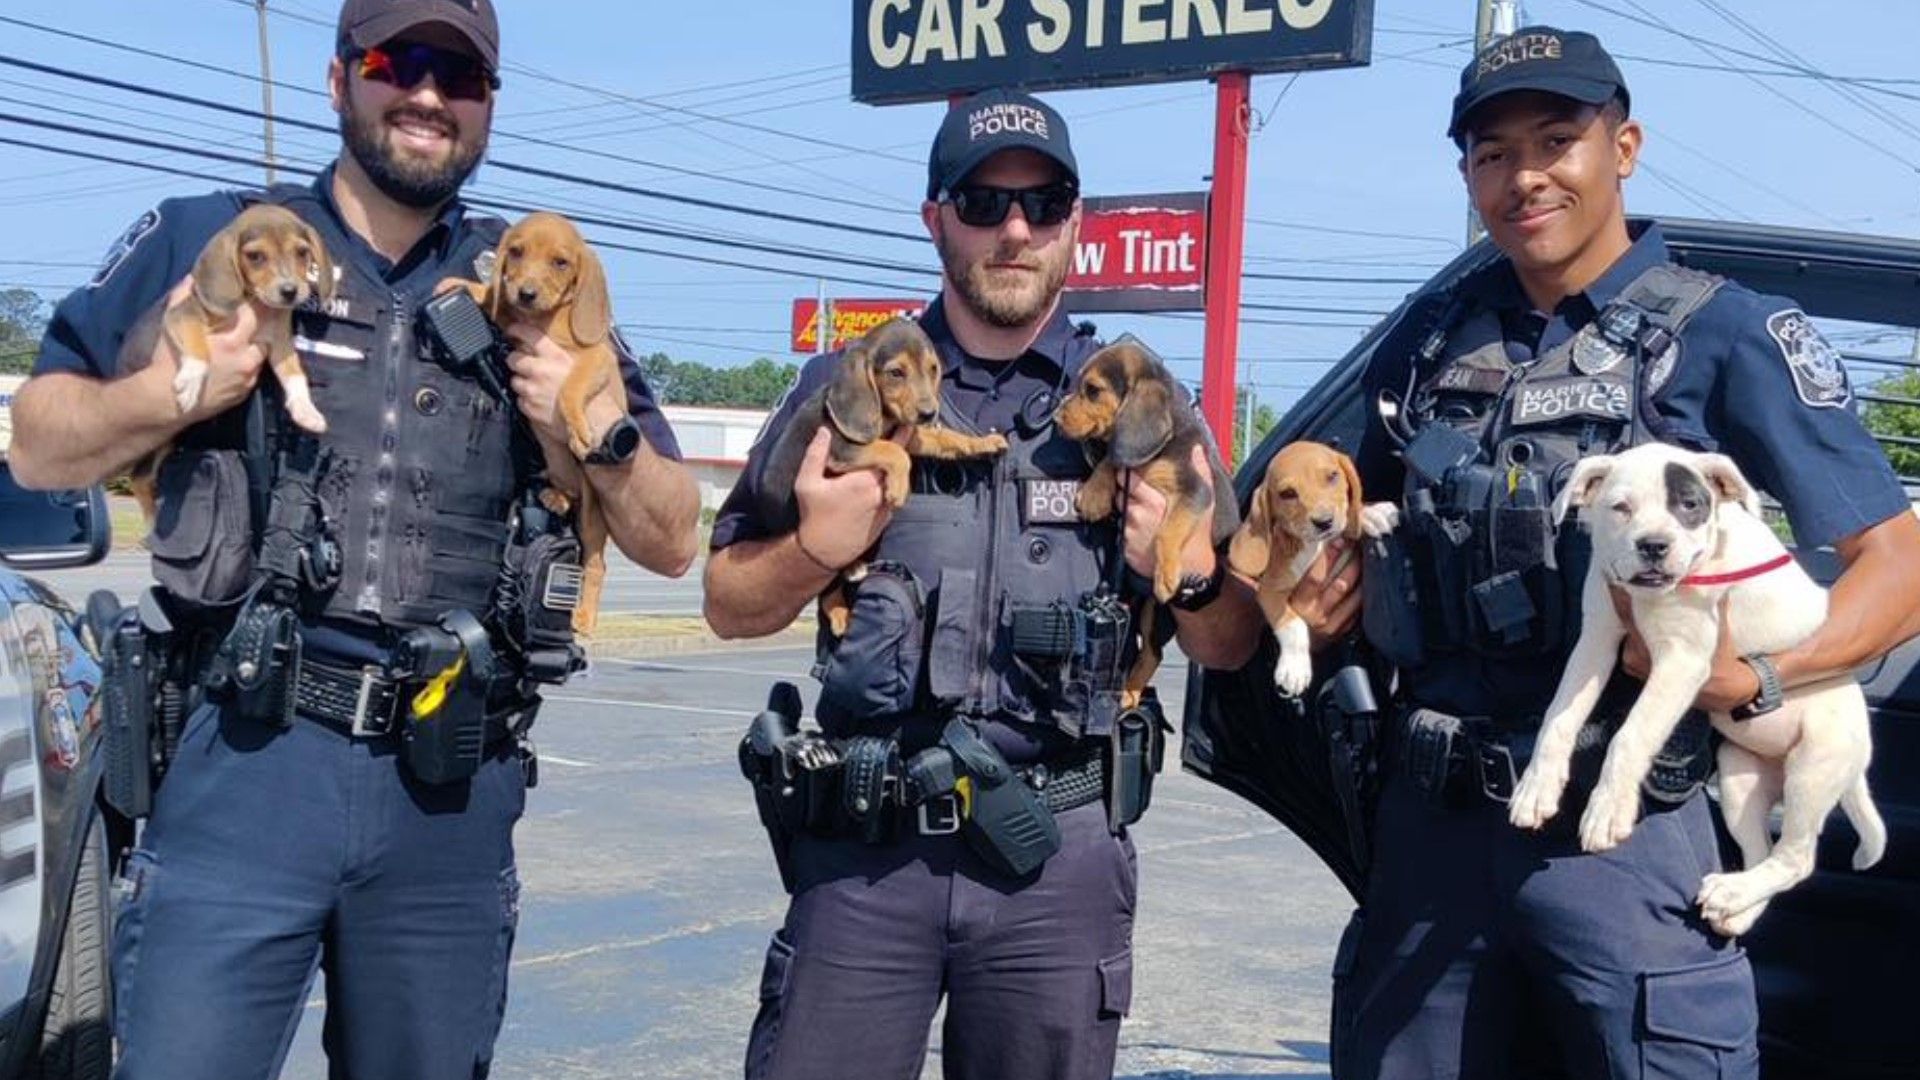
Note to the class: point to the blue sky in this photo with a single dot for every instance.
(747, 103)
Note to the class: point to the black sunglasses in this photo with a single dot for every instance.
(985, 207)
(458, 75)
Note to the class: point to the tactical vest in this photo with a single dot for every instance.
(417, 472)
(978, 544)
(1495, 575)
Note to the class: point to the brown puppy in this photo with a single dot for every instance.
(1310, 494)
(888, 380)
(547, 277)
(1126, 401)
(268, 258)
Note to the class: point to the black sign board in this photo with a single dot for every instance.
(919, 50)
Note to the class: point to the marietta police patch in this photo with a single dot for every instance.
(124, 246)
(1819, 377)
(1049, 502)
(1593, 353)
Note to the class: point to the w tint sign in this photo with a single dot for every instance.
(1140, 253)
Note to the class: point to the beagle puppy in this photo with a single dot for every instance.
(547, 277)
(266, 257)
(887, 382)
(1126, 406)
(1309, 495)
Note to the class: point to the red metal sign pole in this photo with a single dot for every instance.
(1226, 227)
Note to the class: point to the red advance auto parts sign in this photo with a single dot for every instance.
(851, 319)
(1140, 253)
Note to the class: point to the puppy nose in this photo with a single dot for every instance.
(528, 294)
(1323, 521)
(926, 415)
(1653, 548)
(288, 290)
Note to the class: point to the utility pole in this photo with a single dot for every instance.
(266, 84)
(823, 322)
(1494, 20)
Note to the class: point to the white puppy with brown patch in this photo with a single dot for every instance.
(1680, 532)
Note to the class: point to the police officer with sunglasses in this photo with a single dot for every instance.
(325, 838)
(960, 828)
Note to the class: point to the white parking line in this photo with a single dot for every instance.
(631, 704)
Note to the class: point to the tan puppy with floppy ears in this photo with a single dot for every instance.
(1680, 532)
(266, 257)
(546, 277)
(1310, 494)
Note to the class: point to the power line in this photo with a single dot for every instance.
(1846, 92)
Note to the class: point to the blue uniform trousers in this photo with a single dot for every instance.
(1479, 941)
(271, 852)
(1037, 971)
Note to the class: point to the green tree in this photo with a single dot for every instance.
(1900, 421)
(21, 324)
(758, 385)
(1263, 420)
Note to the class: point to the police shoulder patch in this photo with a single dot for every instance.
(123, 247)
(1819, 375)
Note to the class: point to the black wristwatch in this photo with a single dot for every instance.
(1768, 699)
(618, 445)
(1198, 590)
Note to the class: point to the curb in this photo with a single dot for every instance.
(633, 648)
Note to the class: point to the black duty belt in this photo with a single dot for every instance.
(1070, 782)
(362, 702)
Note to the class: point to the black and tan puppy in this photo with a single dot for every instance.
(888, 382)
(1126, 402)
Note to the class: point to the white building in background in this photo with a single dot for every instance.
(714, 443)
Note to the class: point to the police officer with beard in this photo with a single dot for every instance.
(898, 901)
(1483, 950)
(280, 843)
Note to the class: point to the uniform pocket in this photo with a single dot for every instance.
(1699, 1021)
(1116, 984)
(1390, 602)
(774, 978)
(875, 669)
(202, 540)
(502, 960)
(133, 893)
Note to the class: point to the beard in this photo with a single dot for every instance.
(1003, 299)
(407, 178)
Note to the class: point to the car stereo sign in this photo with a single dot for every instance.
(915, 50)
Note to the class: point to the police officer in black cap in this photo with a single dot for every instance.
(1479, 944)
(957, 692)
(299, 825)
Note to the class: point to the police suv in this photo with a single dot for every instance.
(54, 867)
(1834, 958)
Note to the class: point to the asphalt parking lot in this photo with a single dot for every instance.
(649, 892)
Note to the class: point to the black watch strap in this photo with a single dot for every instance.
(1197, 591)
(618, 445)
(1768, 699)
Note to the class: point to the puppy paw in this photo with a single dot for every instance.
(555, 500)
(1292, 674)
(580, 447)
(1379, 519)
(1612, 811)
(1731, 903)
(899, 486)
(837, 617)
(1093, 504)
(992, 443)
(1537, 799)
(307, 416)
(188, 382)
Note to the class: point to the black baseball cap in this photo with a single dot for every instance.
(1570, 63)
(988, 122)
(367, 23)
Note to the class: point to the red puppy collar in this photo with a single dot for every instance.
(1732, 576)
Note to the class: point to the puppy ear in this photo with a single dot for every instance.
(592, 315)
(1252, 546)
(217, 281)
(1583, 485)
(1727, 482)
(496, 277)
(1354, 502)
(853, 398)
(322, 263)
(1143, 423)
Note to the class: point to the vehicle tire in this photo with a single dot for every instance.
(77, 1040)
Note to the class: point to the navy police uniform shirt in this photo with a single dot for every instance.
(90, 326)
(992, 395)
(1751, 378)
